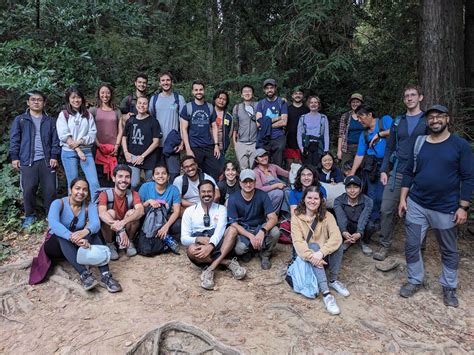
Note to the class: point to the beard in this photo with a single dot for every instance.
(439, 129)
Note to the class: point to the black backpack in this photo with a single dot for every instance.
(185, 186)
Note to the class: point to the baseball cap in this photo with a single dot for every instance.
(439, 108)
(352, 180)
(269, 82)
(247, 174)
(260, 152)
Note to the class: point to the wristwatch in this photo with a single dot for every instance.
(264, 230)
(465, 208)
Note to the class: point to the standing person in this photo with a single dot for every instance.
(349, 130)
(244, 135)
(128, 104)
(34, 150)
(202, 232)
(230, 183)
(313, 132)
(77, 131)
(109, 133)
(224, 122)
(275, 109)
(198, 121)
(141, 138)
(438, 157)
(321, 247)
(253, 220)
(403, 133)
(165, 107)
(295, 111)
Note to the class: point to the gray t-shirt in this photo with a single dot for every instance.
(244, 122)
(167, 113)
(39, 152)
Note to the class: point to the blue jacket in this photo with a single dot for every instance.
(22, 139)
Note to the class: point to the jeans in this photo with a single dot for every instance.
(71, 161)
(136, 172)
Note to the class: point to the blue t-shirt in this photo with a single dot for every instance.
(378, 149)
(355, 129)
(273, 109)
(171, 195)
(249, 213)
(200, 122)
(295, 195)
(412, 121)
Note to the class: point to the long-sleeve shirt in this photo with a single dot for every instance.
(358, 214)
(193, 222)
(326, 235)
(77, 127)
(316, 125)
(59, 222)
(261, 178)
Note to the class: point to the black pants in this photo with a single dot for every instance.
(60, 248)
(206, 161)
(277, 146)
(369, 230)
(38, 174)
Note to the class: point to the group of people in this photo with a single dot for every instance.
(225, 211)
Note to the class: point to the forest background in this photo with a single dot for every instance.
(330, 48)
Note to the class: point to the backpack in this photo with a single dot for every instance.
(110, 197)
(148, 244)
(308, 139)
(185, 186)
(366, 132)
(189, 108)
(420, 140)
(154, 98)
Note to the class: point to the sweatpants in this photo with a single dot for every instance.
(38, 174)
(277, 146)
(206, 161)
(417, 221)
(245, 153)
(388, 209)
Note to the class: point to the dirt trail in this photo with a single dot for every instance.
(259, 314)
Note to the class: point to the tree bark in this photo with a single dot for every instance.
(210, 39)
(469, 50)
(38, 8)
(442, 52)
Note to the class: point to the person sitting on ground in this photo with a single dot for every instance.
(305, 177)
(187, 184)
(74, 223)
(329, 172)
(202, 232)
(230, 183)
(160, 192)
(324, 247)
(141, 137)
(120, 210)
(353, 210)
(253, 219)
(267, 179)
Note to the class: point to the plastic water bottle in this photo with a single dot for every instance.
(172, 244)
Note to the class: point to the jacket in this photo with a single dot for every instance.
(358, 214)
(22, 139)
(226, 130)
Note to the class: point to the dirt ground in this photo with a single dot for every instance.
(259, 314)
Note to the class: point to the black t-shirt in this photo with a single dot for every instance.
(251, 213)
(140, 134)
(294, 114)
(227, 190)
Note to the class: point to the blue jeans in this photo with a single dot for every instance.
(136, 172)
(71, 161)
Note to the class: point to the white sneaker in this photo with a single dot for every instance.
(340, 288)
(331, 305)
(366, 250)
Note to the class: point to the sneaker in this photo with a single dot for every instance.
(449, 297)
(340, 288)
(207, 279)
(381, 254)
(109, 283)
(29, 220)
(131, 250)
(366, 250)
(113, 251)
(409, 290)
(265, 263)
(331, 305)
(88, 280)
(238, 272)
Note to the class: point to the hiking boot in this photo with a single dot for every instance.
(340, 288)
(207, 279)
(265, 262)
(131, 250)
(88, 281)
(113, 251)
(246, 257)
(29, 220)
(381, 254)
(449, 297)
(109, 283)
(409, 290)
(366, 250)
(238, 272)
(331, 305)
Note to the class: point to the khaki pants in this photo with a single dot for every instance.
(245, 154)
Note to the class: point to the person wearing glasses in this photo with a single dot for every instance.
(34, 150)
(202, 233)
(74, 223)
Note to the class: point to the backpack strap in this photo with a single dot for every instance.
(211, 109)
(110, 198)
(130, 199)
(189, 109)
(311, 229)
(395, 125)
(66, 114)
(93, 111)
(176, 101)
(154, 98)
(185, 186)
(420, 140)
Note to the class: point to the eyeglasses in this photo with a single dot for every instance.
(439, 116)
(36, 99)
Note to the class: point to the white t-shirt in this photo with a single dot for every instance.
(192, 195)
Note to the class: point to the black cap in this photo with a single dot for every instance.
(439, 108)
(269, 82)
(352, 180)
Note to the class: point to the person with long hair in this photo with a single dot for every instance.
(77, 133)
(109, 133)
(329, 172)
(349, 130)
(317, 240)
(306, 176)
(230, 182)
(224, 122)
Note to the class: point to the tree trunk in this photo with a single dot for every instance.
(38, 7)
(469, 51)
(442, 52)
(210, 38)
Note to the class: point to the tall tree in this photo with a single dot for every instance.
(469, 50)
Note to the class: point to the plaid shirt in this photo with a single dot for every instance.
(344, 129)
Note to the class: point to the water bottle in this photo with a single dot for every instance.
(172, 244)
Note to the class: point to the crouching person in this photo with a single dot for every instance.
(120, 210)
(74, 223)
(202, 232)
(317, 240)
